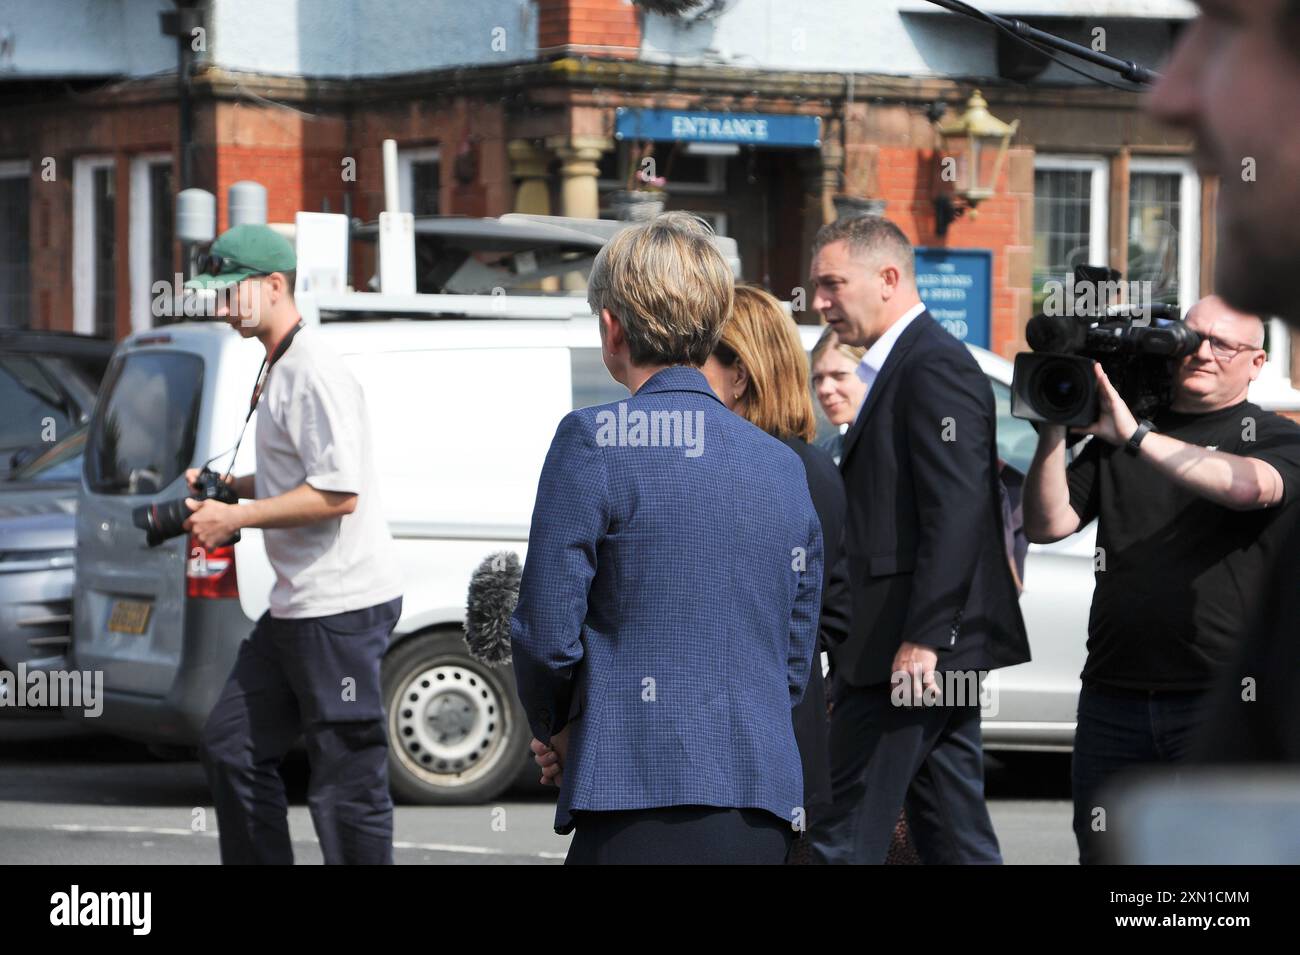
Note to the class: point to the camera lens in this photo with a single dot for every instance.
(161, 521)
(1060, 389)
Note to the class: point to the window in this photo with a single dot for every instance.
(687, 174)
(1164, 235)
(60, 463)
(718, 220)
(1070, 204)
(420, 178)
(152, 234)
(1273, 388)
(15, 250)
(94, 254)
(142, 438)
(31, 399)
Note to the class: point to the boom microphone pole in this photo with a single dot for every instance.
(1128, 69)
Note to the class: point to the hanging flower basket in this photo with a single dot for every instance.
(636, 205)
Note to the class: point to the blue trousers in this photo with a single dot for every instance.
(679, 835)
(1120, 730)
(317, 678)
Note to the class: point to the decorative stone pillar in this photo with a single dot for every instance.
(579, 169)
(529, 160)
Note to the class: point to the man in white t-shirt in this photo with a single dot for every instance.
(311, 665)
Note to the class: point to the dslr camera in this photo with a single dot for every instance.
(164, 520)
(1137, 347)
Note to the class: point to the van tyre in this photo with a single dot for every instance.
(456, 733)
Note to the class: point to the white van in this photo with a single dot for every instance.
(462, 410)
(464, 392)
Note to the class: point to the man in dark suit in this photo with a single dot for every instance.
(934, 603)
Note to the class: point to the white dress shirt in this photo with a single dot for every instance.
(875, 357)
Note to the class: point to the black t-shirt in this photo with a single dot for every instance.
(1256, 713)
(1179, 577)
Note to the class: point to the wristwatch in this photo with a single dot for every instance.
(1131, 446)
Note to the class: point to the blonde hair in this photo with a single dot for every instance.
(761, 336)
(668, 286)
(829, 339)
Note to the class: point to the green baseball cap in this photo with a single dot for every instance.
(246, 250)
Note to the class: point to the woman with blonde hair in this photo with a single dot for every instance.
(663, 633)
(837, 386)
(759, 371)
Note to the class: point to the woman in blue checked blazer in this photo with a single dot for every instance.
(669, 604)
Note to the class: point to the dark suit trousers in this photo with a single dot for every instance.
(883, 757)
(679, 835)
(290, 679)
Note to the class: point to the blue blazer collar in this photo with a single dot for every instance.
(678, 378)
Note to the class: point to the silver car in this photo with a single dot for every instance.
(38, 504)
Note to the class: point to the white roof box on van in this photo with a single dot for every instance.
(465, 255)
(371, 306)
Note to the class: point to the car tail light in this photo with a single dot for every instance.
(211, 573)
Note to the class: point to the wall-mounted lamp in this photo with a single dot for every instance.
(966, 141)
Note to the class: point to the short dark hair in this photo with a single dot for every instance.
(867, 236)
(290, 278)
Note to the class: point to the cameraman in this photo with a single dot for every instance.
(311, 665)
(1191, 509)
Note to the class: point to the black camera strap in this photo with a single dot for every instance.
(265, 370)
(262, 374)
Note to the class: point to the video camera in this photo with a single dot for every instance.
(1137, 346)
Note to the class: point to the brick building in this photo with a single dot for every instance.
(540, 105)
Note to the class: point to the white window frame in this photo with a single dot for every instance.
(1098, 197)
(716, 219)
(405, 179)
(1273, 388)
(83, 245)
(141, 239)
(714, 186)
(1189, 202)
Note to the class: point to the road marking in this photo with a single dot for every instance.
(130, 830)
(475, 850)
(426, 846)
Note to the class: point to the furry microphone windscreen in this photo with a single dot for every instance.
(493, 593)
(669, 8)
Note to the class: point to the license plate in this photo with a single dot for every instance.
(129, 616)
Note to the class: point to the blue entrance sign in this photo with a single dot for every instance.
(957, 288)
(746, 129)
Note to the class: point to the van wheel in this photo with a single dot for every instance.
(456, 732)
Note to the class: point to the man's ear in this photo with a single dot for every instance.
(1257, 364)
(611, 329)
(889, 279)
